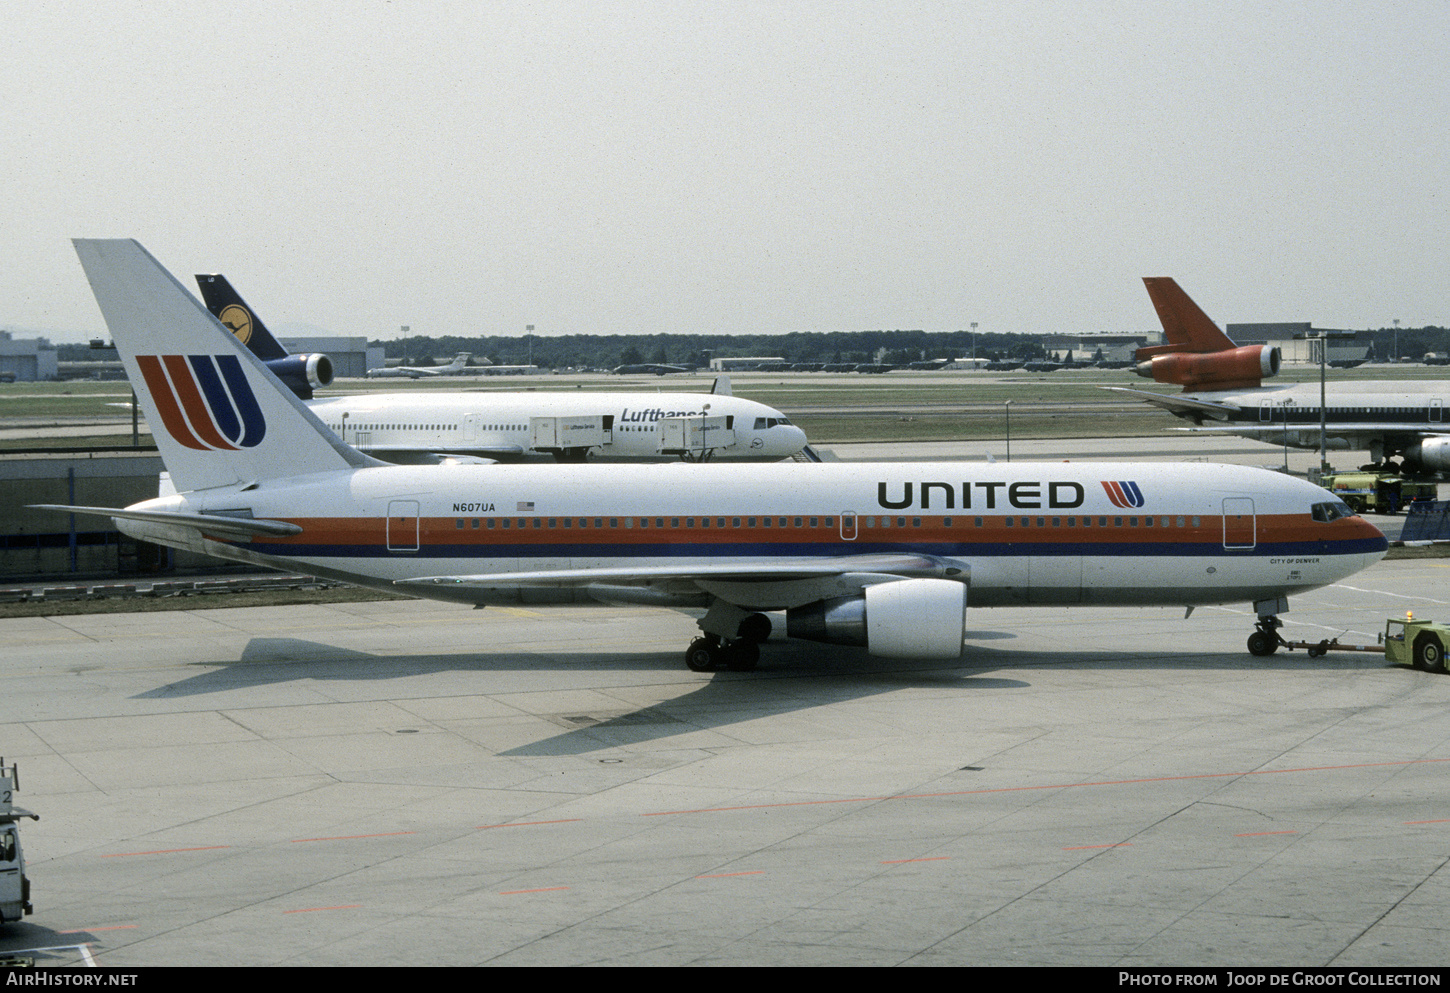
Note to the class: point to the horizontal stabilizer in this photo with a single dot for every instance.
(213, 524)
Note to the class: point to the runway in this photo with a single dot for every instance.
(414, 783)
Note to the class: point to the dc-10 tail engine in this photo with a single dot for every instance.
(1239, 368)
(905, 619)
(303, 373)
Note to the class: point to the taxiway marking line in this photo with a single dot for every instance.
(351, 837)
(1084, 848)
(567, 820)
(165, 851)
(1263, 834)
(1053, 786)
(309, 910)
(931, 858)
(727, 875)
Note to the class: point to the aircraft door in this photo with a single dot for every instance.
(1437, 410)
(1239, 525)
(848, 525)
(402, 525)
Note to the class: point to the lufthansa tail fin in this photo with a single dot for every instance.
(227, 306)
(304, 374)
(1187, 328)
(218, 415)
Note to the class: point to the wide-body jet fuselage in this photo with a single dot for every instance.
(1050, 533)
(499, 426)
(1382, 417)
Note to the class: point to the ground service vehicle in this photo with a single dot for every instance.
(14, 885)
(1377, 491)
(1421, 644)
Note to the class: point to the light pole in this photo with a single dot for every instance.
(1323, 338)
(1007, 407)
(530, 329)
(974, 344)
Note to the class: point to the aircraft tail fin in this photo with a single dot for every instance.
(1187, 328)
(227, 306)
(721, 387)
(219, 416)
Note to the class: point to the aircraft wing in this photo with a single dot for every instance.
(1418, 429)
(1181, 404)
(894, 566)
(243, 528)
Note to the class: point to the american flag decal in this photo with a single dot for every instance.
(526, 505)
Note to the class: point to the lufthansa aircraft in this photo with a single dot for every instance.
(1222, 393)
(886, 556)
(422, 427)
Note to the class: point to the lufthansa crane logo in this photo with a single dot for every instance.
(237, 320)
(205, 401)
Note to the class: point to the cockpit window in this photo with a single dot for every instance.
(1331, 511)
(761, 423)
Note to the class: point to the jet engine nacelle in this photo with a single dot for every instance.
(906, 619)
(1430, 453)
(303, 373)
(1226, 370)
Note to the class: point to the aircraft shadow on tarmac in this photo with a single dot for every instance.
(46, 946)
(793, 676)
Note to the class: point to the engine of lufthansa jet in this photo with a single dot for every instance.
(906, 619)
(303, 373)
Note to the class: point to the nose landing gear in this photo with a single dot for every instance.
(1266, 638)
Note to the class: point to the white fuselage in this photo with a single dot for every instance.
(501, 425)
(1356, 415)
(1024, 533)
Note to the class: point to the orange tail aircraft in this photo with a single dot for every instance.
(1198, 356)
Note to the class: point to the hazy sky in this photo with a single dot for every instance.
(470, 168)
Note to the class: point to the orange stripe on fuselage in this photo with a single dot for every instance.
(436, 531)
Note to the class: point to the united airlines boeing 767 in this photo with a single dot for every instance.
(886, 556)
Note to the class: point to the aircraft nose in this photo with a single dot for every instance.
(792, 437)
(1374, 539)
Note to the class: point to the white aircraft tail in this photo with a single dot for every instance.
(218, 415)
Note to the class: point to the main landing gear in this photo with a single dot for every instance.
(712, 651)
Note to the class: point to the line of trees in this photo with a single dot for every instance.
(696, 350)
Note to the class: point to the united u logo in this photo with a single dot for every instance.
(205, 401)
(1123, 493)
